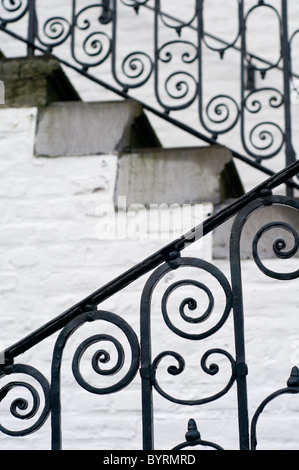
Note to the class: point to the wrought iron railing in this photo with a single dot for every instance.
(171, 63)
(139, 358)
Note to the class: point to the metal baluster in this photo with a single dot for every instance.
(286, 54)
(32, 27)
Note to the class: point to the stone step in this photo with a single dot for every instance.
(66, 125)
(35, 81)
(177, 176)
(77, 128)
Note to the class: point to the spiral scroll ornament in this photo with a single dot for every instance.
(91, 45)
(179, 368)
(180, 84)
(13, 10)
(12, 5)
(101, 356)
(279, 248)
(192, 304)
(97, 45)
(55, 32)
(262, 137)
(191, 313)
(20, 408)
(223, 111)
(137, 67)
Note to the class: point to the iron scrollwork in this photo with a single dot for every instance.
(174, 370)
(283, 249)
(266, 138)
(13, 10)
(176, 68)
(20, 408)
(291, 389)
(178, 368)
(99, 358)
(279, 248)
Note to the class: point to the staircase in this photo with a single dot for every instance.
(91, 198)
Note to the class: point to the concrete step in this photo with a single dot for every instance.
(77, 128)
(35, 81)
(177, 176)
(66, 125)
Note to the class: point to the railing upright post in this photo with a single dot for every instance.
(32, 27)
(286, 56)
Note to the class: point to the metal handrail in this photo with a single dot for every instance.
(166, 254)
(160, 264)
(45, 38)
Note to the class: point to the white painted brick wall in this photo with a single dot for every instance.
(51, 258)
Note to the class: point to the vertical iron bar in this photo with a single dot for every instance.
(145, 321)
(237, 286)
(147, 393)
(200, 38)
(286, 55)
(156, 49)
(73, 25)
(32, 27)
(239, 340)
(243, 69)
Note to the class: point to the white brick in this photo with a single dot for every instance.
(51, 258)
(8, 282)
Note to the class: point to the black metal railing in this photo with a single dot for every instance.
(171, 62)
(139, 358)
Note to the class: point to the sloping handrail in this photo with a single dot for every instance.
(265, 136)
(162, 262)
(167, 254)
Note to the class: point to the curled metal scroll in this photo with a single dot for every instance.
(137, 67)
(91, 34)
(180, 84)
(175, 370)
(192, 304)
(279, 248)
(96, 45)
(179, 366)
(266, 138)
(20, 407)
(291, 389)
(15, 10)
(220, 110)
(101, 356)
(253, 103)
(279, 245)
(56, 30)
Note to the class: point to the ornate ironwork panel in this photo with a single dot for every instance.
(182, 54)
(187, 322)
